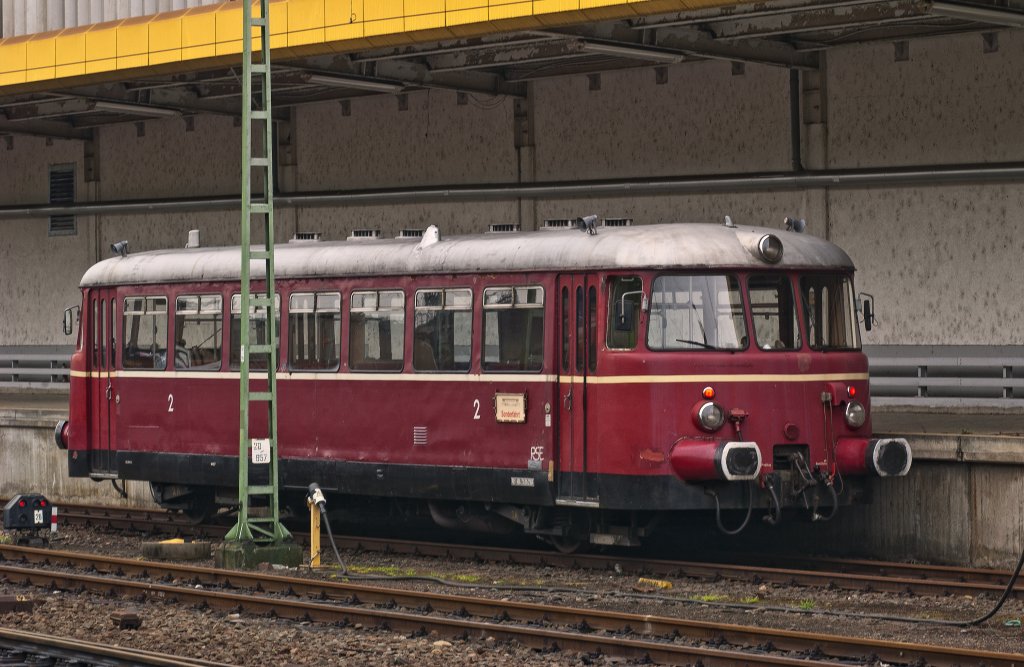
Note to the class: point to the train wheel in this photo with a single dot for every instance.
(568, 545)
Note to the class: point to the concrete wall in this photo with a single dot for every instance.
(935, 258)
(33, 464)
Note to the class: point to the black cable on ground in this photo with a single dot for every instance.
(678, 600)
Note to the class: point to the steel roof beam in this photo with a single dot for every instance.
(45, 128)
(739, 11)
(695, 44)
(830, 19)
(550, 48)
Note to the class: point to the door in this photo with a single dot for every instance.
(577, 304)
(102, 358)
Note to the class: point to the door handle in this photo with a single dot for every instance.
(567, 401)
(110, 392)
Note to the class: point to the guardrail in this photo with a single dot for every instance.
(35, 367)
(945, 376)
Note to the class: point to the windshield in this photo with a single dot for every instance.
(829, 312)
(773, 312)
(696, 312)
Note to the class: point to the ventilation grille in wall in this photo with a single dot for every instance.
(305, 236)
(410, 234)
(558, 223)
(617, 222)
(364, 234)
(62, 191)
(502, 228)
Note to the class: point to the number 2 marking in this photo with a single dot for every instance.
(476, 408)
(170, 402)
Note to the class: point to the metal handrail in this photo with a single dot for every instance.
(34, 367)
(943, 376)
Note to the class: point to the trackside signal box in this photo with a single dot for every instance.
(29, 511)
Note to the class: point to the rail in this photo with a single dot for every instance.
(35, 367)
(924, 376)
(947, 376)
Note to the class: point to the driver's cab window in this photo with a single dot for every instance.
(625, 299)
(773, 312)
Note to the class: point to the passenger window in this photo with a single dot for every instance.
(145, 332)
(442, 329)
(696, 312)
(198, 331)
(773, 312)
(513, 329)
(258, 333)
(625, 296)
(314, 331)
(376, 334)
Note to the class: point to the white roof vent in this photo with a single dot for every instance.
(364, 234)
(193, 239)
(617, 222)
(302, 237)
(410, 234)
(558, 223)
(502, 228)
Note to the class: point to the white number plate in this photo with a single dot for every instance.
(261, 451)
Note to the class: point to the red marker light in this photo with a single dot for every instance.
(22, 503)
(852, 391)
(42, 503)
(709, 392)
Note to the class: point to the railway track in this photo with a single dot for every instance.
(30, 648)
(846, 574)
(661, 639)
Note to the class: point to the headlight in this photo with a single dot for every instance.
(710, 416)
(856, 415)
(770, 248)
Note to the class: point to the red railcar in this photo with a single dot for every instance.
(579, 385)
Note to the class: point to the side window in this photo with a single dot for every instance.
(773, 312)
(443, 330)
(258, 333)
(314, 331)
(625, 296)
(198, 332)
(145, 332)
(513, 329)
(376, 332)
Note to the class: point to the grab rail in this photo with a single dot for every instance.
(35, 367)
(944, 376)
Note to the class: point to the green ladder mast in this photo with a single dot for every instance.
(258, 457)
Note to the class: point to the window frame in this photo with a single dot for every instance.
(787, 279)
(444, 306)
(125, 338)
(231, 364)
(742, 304)
(400, 329)
(318, 338)
(199, 312)
(513, 306)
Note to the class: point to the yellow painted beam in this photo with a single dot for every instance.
(205, 37)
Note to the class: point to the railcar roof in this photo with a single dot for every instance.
(663, 246)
